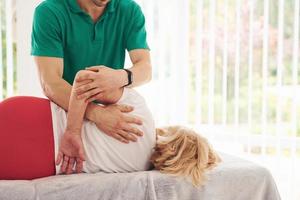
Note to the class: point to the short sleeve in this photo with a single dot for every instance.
(46, 38)
(136, 36)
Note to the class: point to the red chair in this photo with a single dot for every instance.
(26, 138)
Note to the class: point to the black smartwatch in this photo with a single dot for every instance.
(129, 76)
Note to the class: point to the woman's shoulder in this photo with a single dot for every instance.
(131, 94)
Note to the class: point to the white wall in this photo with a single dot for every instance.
(28, 82)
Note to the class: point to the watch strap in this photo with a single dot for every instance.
(129, 77)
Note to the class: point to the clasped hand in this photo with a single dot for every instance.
(103, 80)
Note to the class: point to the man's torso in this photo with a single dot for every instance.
(85, 42)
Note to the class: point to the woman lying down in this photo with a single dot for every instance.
(80, 146)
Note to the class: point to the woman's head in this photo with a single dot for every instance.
(181, 151)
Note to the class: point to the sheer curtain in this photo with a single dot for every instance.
(7, 48)
(230, 69)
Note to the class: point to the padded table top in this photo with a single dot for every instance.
(233, 179)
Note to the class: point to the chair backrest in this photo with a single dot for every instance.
(26, 138)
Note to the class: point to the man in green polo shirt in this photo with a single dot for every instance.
(71, 35)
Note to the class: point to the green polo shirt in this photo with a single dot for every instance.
(62, 29)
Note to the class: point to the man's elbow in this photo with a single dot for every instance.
(48, 89)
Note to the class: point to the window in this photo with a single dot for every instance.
(231, 69)
(8, 56)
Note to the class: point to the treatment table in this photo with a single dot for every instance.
(233, 179)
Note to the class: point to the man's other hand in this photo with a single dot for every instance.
(115, 121)
(103, 80)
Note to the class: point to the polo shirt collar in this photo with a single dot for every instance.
(110, 7)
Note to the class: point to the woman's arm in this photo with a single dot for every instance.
(76, 110)
(71, 150)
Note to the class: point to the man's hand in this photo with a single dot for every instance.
(104, 80)
(71, 152)
(114, 121)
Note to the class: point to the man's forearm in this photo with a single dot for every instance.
(142, 73)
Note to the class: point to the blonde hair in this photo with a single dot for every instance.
(181, 151)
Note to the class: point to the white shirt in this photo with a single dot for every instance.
(104, 153)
